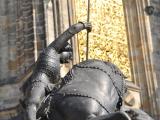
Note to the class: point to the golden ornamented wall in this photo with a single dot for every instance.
(108, 40)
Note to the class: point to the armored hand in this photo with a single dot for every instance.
(80, 26)
(66, 54)
(61, 41)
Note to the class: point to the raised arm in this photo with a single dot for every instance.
(47, 69)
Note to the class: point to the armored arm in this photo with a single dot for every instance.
(61, 41)
(47, 69)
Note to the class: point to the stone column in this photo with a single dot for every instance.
(155, 52)
(39, 25)
(144, 48)
(8, 56)
(28, 33)
(16, 53)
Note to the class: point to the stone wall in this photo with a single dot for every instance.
(24, 32)
(16, 40)
(16, 52)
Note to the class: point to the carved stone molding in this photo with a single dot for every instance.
(141, 30)
(132, 98)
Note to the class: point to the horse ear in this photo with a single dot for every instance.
(113, 116)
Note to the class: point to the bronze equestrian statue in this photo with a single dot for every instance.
(91, 90)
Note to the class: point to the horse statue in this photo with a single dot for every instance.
(91, 90)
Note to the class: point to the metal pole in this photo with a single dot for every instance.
(87, 42)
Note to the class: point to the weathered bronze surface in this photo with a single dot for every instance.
(92, 89)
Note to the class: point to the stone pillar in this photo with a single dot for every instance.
(143, 41)
(28, 32)
(155, 52)
(39, 25)
(9, 48)
(16, 53)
